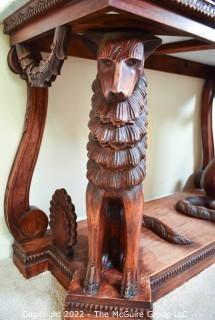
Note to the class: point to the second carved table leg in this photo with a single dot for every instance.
(23, 221)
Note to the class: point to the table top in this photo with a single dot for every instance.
(187, 27)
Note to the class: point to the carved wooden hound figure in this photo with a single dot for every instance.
(116, 150)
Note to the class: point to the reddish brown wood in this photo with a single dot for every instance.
(116, 195)
(180, 66)
(23, 221)
(184, 46)
(63, 221)
(84, 48)
(162, 266)
(200, 10)
(116, 166)
(203, 9)
(122, 21)
(73, 11)
(164, 17)
(204, 207)
(207, 122)
(42, 72)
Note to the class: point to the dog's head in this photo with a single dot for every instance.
(121, 64)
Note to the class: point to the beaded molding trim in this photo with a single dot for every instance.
(39, 7)
(201, 6)
(28, 12)
(38, 257)
(158, 282)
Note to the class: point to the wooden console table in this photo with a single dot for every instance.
(72, 27)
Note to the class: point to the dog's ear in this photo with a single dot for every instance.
(150, 45)
(93, 39)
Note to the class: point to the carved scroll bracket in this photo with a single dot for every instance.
(206, 127)
(204, 207)
(32, 67)
(26, 222)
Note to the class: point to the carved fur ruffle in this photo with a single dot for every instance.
(108, 133)
(126, 112)
(117, 141)
(115, 179)
(112, 159)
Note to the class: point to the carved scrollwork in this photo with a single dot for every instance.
(26, 222)
(63, 221)
(42, 72)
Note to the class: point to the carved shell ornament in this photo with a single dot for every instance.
(63, 221)
(42, 72)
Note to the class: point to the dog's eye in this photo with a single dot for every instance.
(107, 62)
(133, 62)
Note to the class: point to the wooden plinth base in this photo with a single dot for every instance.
(162, 266)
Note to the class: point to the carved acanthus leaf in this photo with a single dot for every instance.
(42, 73)
(63, 221)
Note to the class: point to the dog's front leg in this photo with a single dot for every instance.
(133, 202)
(94, 199)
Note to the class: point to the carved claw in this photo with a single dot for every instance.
(129, 287)
(92, 280)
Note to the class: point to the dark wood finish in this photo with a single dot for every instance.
(120, 254)
(84, 48)
(180, 66)
(164, 17)
(162, 266)
(43, 72)
(116, 166)
(121, 21)
(63, 221)
(74, 11)
(200, 10)
(23, 221)
(208, 181)
(164, 231)
(184, 46)
(38, 7)
(206, 122)
(204, 207)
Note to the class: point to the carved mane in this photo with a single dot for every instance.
(117, 141)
